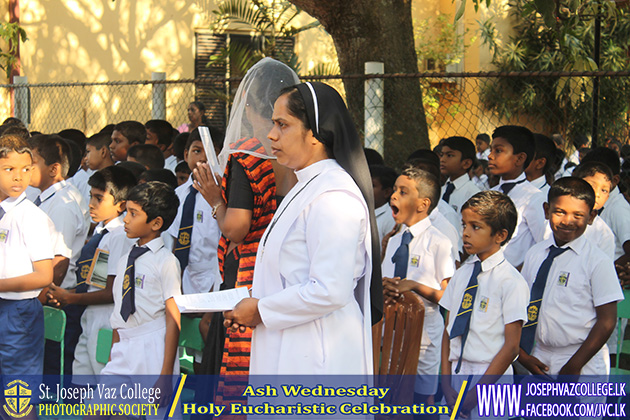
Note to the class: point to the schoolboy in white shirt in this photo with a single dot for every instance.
(419, 258)
(25, 264)
(109, 189)
(195, 230)
(145, 315)
(383, 179)
(574, 290)
(512, 149)
(482, 143)
(486, 300)
(539, 168)
(457, 156)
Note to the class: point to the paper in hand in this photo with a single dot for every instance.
(208, 145)
(224, 300)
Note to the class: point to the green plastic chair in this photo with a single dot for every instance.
(104, 345)
(623, 347)
(189, 338)
(55, 328)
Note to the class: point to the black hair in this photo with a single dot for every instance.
(580, 140)
(424, 165)
(426, 155)
(13, 121)
(114, 180)
(156, 199)
(13, 143)
(216, 134)
(520, 138)
(179, 145)
(162, 129)
(373, 157)
(483, 163)
(133, 131)
(483, 137)
(108, 129)
(606, 156)
(53, 149)
(496, 209)
(385, 175)
(162, 175)
(99, 140)
(462, 145)
(586, 169)
(75, 136)
(76, 156)
(15, 129)
(574, 187)
(134, 167)
(183, 167)
(427, 185)
(148, 155)
(545, 148)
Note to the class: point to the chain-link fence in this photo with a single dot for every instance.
(463, 104)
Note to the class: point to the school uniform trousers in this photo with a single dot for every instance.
(430, 262)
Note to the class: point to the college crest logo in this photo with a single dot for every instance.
(4, 234)
(532, 313)
(126, 282)
(184, 238)
(467, 301)
(85, 270)
(563, 279)
(17, 396)
(200, 216)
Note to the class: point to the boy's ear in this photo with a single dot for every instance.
(121, 206)
(592, 216)
(546, 210)
(500, 236)
(540, 163)
(54, 170)
(520, 159)
(615, 180)
(467, 164)
(423, 205)
(104, 151)
(156, 224)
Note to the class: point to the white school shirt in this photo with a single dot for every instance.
(616, 214)
(481, 182)
(24, 238)
(80, 181)
(541, 184)
(202, 272)
(483, 155)
(384, 220)
(444, 226)
(531, 222)
(157, 279)
(430, 258)
(597, 233)
(502, 298)
(454, 217)
(464, 189)
(170, 163)
(579, 280)
(67, 209)
(114, 225)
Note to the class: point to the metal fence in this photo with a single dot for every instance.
(463, 104)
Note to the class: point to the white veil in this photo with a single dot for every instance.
(251, 112)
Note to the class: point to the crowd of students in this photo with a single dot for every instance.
(525, 249)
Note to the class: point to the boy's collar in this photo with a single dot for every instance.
(577, 245)
(417, 228)
(48, 192)
(490, 262)
(460, 180)
(154, 245)
(9, 203)
(517, 179)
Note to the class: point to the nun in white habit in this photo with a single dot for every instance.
(317, 282)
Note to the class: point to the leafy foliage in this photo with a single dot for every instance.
(567, 45)
(12, 34)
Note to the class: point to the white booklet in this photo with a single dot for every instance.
(224, 300)
(208, 145)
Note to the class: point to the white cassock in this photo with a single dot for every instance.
(312, 276)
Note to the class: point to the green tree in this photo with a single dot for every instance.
(11, 34)
(561, 104)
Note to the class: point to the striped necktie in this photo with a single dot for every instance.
(461, 326)
(85, 260)
(528, 332)
(128, 305)
(182, 247)
(2, 213)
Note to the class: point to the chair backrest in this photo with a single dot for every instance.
(397, 337)
(55, 328)
(190, 336)
(623, 307)
(623, 311)
(104, 345)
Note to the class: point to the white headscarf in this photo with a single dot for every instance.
(253, 107)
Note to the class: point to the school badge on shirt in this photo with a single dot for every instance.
(199, 216)
(140, 281)
(563, 278)
(483, 304)
(4, 235)
(415, 260)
